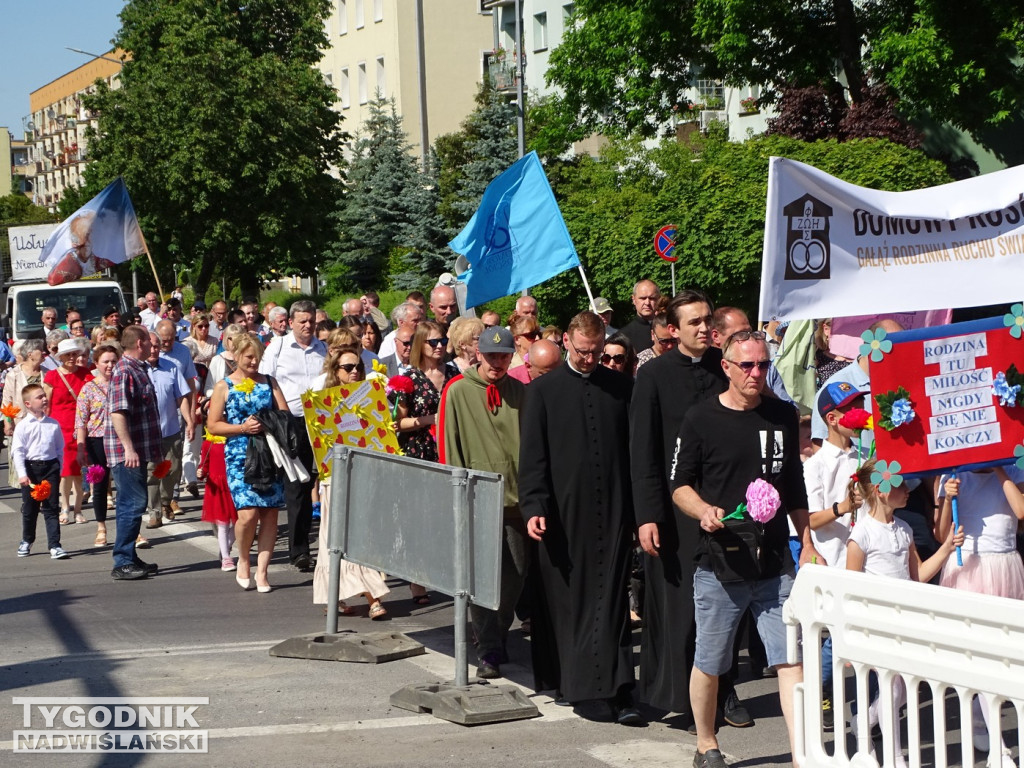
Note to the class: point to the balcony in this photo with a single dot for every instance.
(501, 70)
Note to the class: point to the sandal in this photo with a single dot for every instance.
(423, 599)
(377, 611)
(100, 540)
(80, 518)
(343, 608)
(63, 519)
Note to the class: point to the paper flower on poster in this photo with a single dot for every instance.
(875, 345)
(1015, 320)
(887, 476)
(1007, 387)
(1018, 454)
(895, 409)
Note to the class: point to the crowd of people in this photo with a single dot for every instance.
(624, 452)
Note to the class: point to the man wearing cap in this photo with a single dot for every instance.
(574, 488)
(111, 317)
(479, 429)
(603, 309)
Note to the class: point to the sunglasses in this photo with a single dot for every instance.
(668, 341)
(203, 325)
(437, 342)
(403, 343)
(617, 359)
(748, 365)
(532, 335)
(348, 367)
(745, 335)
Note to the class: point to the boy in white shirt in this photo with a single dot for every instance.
(827, 478)
(37, 448)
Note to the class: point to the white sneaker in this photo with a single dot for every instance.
(24, 549)
(58, 553)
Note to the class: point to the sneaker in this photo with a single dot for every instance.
(130, 572)
(488, 669)
(24, 549)
(827, 715)
(168, 511)
(154, 522)
(734, 713)
(150, 568)
(227, 564)
(713, 758)
(193, 490)
(58, 553)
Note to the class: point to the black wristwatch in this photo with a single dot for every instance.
(835, 510)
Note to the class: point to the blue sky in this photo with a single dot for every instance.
(33, 49)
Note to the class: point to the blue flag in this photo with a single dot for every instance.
(101, 233)
(517, 237)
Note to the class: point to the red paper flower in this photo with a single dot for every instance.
(161, 469)
(855, 418)
(402, 384)
(41, 491)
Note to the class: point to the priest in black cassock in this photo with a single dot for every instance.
(574, 491)
(666, 388)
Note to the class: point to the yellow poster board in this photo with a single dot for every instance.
(356, 415)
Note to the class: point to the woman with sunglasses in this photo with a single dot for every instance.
(618, 354)
(344, 366)
(525, 331)
(417, 412)
(198, 341)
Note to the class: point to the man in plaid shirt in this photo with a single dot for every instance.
(132, 440)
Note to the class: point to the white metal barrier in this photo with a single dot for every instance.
(950, 643)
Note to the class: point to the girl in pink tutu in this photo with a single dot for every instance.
(989, 504)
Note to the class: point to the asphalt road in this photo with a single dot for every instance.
(68, 630)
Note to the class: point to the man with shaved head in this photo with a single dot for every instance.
(638, 330)
(443, 306)
(544, 357)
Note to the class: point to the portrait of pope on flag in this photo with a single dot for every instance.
(100, 234)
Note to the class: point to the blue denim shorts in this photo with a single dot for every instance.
(719, 608)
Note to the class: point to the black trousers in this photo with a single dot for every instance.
(98, 455)
(38, 471)
(298, 497)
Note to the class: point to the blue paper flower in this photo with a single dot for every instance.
(1007, 395)
(876, 345)
(902, 412)
(1015, 320)
(1018, 453)
(887, 476)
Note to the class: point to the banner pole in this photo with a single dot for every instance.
(586, 285)
(673, 278)
(149, 256)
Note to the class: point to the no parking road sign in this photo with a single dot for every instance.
(665, 243)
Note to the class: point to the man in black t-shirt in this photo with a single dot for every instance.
(723, 446)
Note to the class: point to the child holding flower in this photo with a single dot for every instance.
(37, 448)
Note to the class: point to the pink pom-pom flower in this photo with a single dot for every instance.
(762, 501)
(94, 473)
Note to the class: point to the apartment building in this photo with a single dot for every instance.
(376, 47)
(57, 128)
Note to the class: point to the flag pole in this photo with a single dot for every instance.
(586, 285)
(149, 256)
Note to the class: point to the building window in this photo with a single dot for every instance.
(359, 14)
(329, 79)
(567, 11)
(342, 17)
(378, 10)
(382, 84)
(540, 31)
(362, 83)
(344, 89)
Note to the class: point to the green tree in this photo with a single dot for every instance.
(224, 133)
(490, 149)
(714, 192)
(623, 67)
(389, 229)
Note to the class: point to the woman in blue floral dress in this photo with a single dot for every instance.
(233, 405)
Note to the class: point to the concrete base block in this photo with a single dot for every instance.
(474, 704)
(364, 648)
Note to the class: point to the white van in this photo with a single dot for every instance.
(24, 304)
